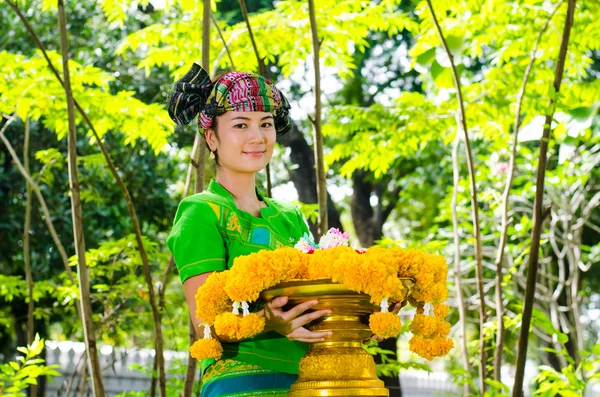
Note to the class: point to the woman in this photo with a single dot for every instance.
(240, 116)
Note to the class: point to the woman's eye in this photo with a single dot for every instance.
(267, 125)
(242, 125)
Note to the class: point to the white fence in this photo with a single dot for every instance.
(424, 384)
(116, 364)
(120, 377)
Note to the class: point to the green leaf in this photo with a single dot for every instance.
(425, 59)
(497, 385)
(442, 76)
(36, 346)
(455, 44)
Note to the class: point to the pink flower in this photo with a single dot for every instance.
(337, 232)
(334, 238)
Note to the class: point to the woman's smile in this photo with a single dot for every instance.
(255, 154)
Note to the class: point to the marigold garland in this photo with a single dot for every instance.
(376, 272)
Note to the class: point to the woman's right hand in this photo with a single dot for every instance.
(291, 323)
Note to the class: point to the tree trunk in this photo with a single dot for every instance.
(26, 252)
(363, 216)
(538, 210)
(499, 351)
(304, 176)
(82, 269)
(462, 309)
(318, 136)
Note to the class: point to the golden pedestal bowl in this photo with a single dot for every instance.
(339, 366)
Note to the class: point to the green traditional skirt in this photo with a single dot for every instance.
(230, 378)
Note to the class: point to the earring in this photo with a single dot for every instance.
(212, 155)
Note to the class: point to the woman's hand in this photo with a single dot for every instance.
(291, 323)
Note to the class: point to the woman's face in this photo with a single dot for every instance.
(246, 140)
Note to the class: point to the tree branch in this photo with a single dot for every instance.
(77, 215)
(261, 70)
(462, 312)
(214, 21)
(47, 218)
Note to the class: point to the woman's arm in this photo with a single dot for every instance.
(190, 286)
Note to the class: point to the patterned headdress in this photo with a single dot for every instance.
(196, 94)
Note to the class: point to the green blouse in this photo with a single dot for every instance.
(209, 232)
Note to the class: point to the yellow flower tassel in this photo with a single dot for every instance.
(430, 348)
(430, 333)
(384, 323)
(206, 347)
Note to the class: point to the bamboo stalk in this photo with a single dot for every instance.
(318, 136)
(538, 212)
(474, 205)
(82, 268)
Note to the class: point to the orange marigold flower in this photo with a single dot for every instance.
(236, 327)
(430, 348)
(321, 262)
(443, 329)
(440, 310)
(250, 325)
(206, 348)
(385, 325)
(211, 299)
(227, 324)
(423, 325)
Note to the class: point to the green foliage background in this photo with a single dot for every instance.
(390, 118)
